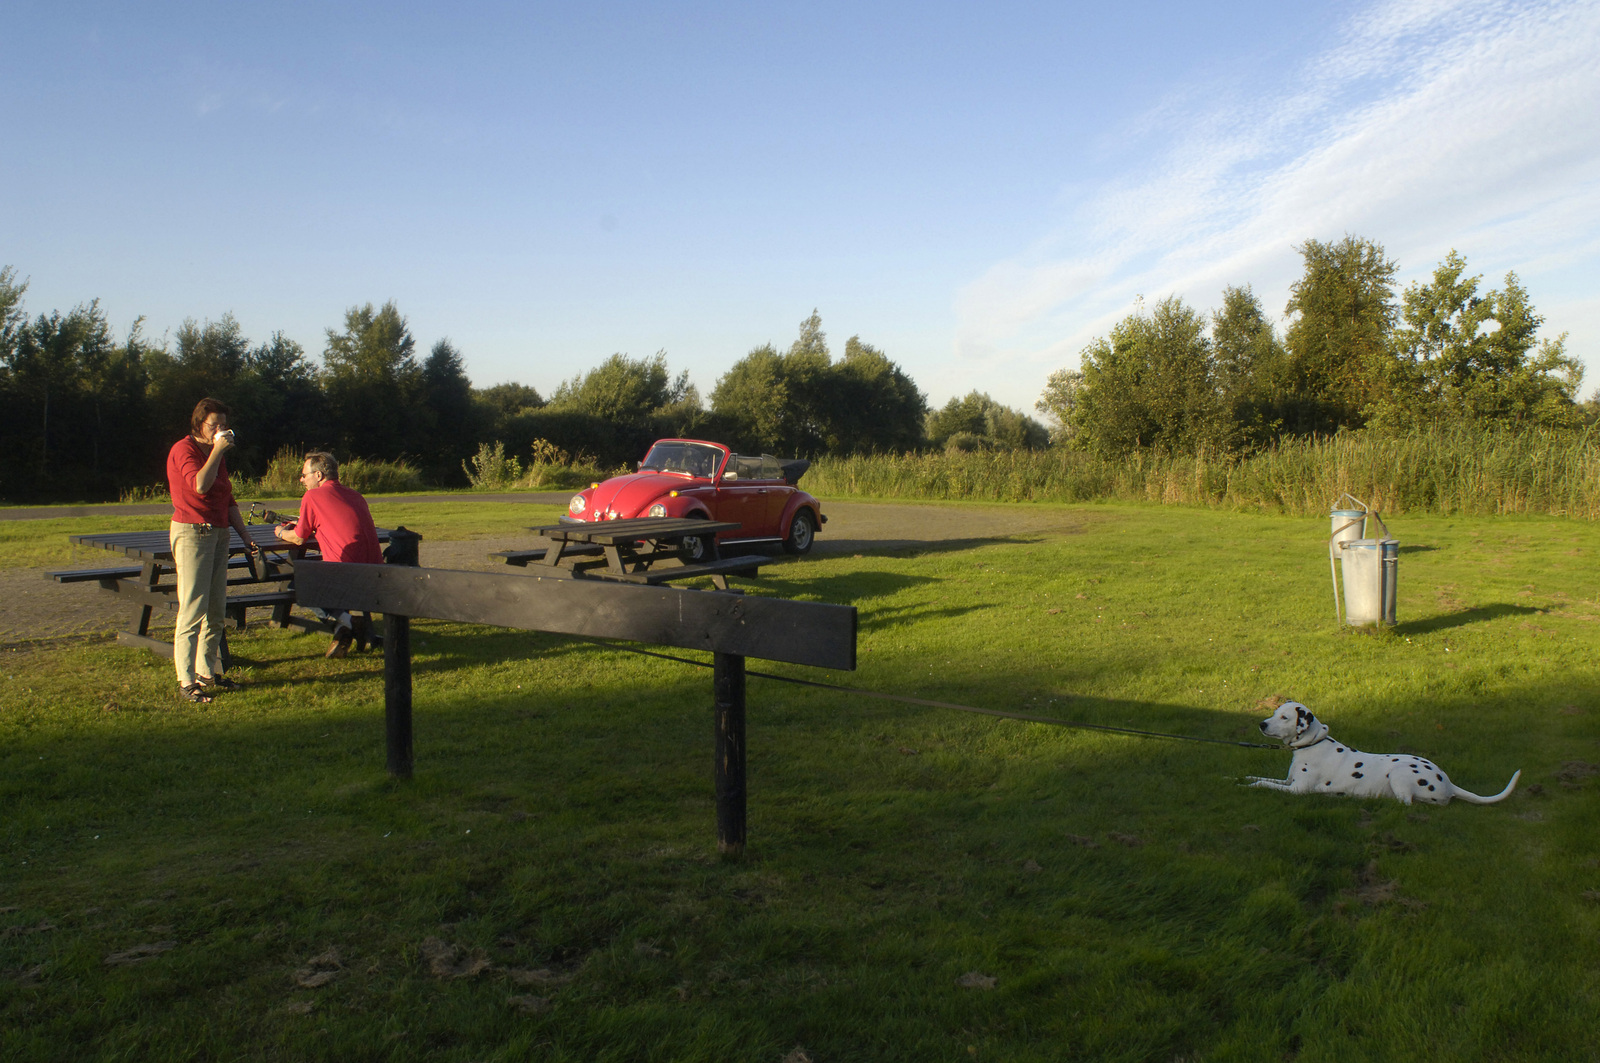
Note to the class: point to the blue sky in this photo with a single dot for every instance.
(977, 190)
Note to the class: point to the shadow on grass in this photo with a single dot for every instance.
(863, 587)
(1476, 615)
(912, 547)
(857, 587)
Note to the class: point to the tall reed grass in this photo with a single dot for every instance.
(1457, 471)
(281, 479)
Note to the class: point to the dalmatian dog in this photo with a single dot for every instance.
(1324, 766)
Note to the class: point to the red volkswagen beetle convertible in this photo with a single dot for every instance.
(693, 478)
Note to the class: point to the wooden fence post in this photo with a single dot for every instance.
(402, 550)
(728, 774)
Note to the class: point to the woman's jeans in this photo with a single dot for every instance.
(200, 555)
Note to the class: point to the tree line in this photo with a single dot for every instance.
(87, 414)
(84, 414)
(1353, 355)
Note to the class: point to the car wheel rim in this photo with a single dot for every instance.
(801, 533)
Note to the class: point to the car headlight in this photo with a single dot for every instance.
(658, 510)
(578, 504)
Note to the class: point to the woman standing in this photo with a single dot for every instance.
(202, 512)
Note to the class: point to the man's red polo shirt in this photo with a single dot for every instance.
(338, 519)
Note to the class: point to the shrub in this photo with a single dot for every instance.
(965, 443)
(491, 469)
(282, 475)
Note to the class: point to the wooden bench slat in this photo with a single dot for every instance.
(90, 575)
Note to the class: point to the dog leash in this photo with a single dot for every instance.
(905, 700)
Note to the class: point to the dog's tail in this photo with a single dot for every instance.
(1468, 795)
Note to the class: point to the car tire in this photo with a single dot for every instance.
(802, 533)
(700, 548)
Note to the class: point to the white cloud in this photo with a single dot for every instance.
(1430, 124)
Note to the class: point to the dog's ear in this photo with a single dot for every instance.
(1303, 720)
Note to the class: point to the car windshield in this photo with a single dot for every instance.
(692, 459)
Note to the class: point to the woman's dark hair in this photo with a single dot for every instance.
(205, 408)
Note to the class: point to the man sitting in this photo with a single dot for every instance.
(338, 519)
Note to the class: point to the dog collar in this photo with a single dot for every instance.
(1308, 745)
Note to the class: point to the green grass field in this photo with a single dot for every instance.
(43, 542)
(241, 880)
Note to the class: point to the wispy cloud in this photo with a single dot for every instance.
(1429, 124)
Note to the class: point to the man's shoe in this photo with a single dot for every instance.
(216, 682)
(341, 643)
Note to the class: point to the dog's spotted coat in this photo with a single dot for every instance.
(1324, 766)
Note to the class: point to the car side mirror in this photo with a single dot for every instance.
(730, 476)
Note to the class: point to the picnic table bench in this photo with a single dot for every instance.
(647, 550)
(143, 586)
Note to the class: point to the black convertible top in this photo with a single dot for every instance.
(793, 470)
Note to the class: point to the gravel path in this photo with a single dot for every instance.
(34, 608)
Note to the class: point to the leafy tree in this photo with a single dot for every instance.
(447, 393)
(1151, 384)
(1062, 390)
(874, 405)
(1251, 366)
(273, 389)
(808, 380)
(278, 402)
(1457, 368)
(12, 316)
(493, 406)
(505, 400)
(801, 402)
(1342, 364)
(374, 384)
(623, 390)
(753, 397)
(977, 420)
(73, 403)
(206, 359)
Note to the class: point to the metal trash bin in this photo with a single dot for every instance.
(1371, 570)
(1347, 525)
(1370, 566)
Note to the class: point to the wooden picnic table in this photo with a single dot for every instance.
(144, 588)
(649, 550)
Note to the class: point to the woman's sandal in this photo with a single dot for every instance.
(192, 692)
(216, 682)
